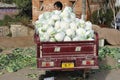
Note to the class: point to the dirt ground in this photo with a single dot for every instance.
(13, 42)
(7, 44)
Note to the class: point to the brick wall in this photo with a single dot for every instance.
(40, 6)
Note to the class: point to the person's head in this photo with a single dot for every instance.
(58, 5)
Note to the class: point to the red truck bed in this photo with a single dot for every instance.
(70, 55)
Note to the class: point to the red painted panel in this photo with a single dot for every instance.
(86, 50)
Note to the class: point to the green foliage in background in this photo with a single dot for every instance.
(5, 21)
(25, 7)
(25, 12)
(102, 17)
(13, 20)
(7, 1)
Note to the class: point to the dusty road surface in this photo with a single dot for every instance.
(106, 75)
(23, 75)
(13, 42)
(7, 44)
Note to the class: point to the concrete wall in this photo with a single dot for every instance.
(4, 31)
(19, 30)
(16, 30)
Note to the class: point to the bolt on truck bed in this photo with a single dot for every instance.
(71, 55)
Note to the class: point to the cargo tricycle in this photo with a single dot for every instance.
(68, 55)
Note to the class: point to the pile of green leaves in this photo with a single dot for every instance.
(107, 51)
(18, 59)
(114, 53)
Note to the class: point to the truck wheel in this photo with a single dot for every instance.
(86, 73)
(47, 75)
(41, 77)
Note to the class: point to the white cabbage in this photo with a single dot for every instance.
(60, 36)
(77, 19)
(38, 23)
(55, 17)
(47, 15)
(80, 31)
(63, 26)
(51, 31)
(89, 34)
(90, 39)
(73, 26)
(60, 30)
(68, 9)
(45, 27)
(70, 33)
(67, 38)
(88, 25)
(81, 23)
(67, 20)
(51, 22)
(72, 16)
(82, 37)
(43, 21)
(52, 39)
(40, 31)
(65, 14)
(42, 39)
(57, 25)
(41, 17)
(76, 38)
(46, 36)
(58, 12)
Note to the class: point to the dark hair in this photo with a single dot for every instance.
(58, 4)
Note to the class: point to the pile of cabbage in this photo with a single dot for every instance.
(63, 26)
